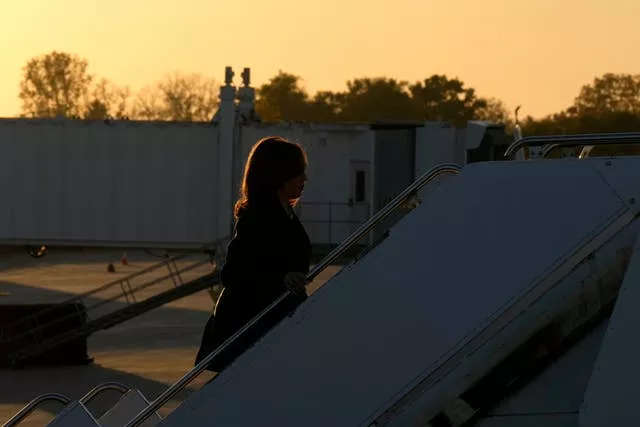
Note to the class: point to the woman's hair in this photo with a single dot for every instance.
(272, 162)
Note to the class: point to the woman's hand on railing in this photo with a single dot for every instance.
(294, 282)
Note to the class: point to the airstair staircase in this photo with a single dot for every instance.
(497, 284)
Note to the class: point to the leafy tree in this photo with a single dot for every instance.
(325, 107)
(55, 84)
(376, 99)
(555, 124)
(610, 92)
(611, 103)
(283, 99)
(442, 99)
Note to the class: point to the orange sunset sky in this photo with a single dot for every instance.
(534, 53)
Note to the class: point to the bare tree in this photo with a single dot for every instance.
(179, 97)
(107, 100)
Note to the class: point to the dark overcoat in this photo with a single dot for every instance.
(268, 242)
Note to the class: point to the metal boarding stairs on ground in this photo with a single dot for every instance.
(408, 199)
(106, 306)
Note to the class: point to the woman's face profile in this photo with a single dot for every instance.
(292, 189)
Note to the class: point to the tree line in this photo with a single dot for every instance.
(59, 84)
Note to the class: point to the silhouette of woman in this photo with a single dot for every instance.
(269, 254)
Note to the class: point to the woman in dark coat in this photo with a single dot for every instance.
(269, 254)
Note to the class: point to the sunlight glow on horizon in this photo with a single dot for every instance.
(537, 54)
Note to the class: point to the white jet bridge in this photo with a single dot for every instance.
(507, 298)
